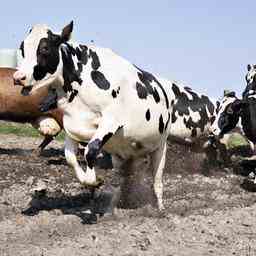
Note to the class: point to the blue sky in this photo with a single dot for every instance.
(206, 44)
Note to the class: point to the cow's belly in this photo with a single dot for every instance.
(80, 126)
(127, 146)
(181, 132)
(137, 135)
(125, 143)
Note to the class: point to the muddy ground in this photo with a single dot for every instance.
(208, 212)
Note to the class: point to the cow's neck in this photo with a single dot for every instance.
(73, 58)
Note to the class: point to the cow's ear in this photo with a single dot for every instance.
(249, 67)
(66, 32)
(56, 39)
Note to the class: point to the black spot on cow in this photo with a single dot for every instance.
(156, 96)
(141, 91)
(174, 118)
(22, 49)
(70, 73)
(172, 102)
(80, 67)
(99, 79)
(94, 148)
(114, 94)
(148, 115)
(118, 89)
(217, 106)
(189, 100)
(168, 120)
(82, 54)
(48, 56)
(161, 124)
(72, 95)
(78, 53)
(147, 79)
(248, 118)
(146, 82)
(95, 60)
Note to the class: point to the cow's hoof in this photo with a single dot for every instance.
(88, 218)
(99, 182)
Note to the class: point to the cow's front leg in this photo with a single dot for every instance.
(71, 150)
(104, 132)
(102, 135)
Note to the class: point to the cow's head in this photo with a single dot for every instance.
(227, 115)
(250, 80)
(42, 64)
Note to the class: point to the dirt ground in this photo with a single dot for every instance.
(208, 212)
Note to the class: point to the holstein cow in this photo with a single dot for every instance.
(191, 117)
(16, 108)
(227, 116)
(232, 109)
(108, 102)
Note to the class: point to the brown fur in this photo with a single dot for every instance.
(22, 109)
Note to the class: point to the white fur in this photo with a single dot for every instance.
(47, 126)
(215, 129)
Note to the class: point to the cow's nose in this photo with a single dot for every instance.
(19, 78)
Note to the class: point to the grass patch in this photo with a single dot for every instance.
(24, 130)
(236, 140)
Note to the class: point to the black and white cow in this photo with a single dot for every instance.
(107, 101)
(191, 117)
(110, 103)
(228, 115)
(233, 109)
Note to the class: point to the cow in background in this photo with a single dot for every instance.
(16, 108)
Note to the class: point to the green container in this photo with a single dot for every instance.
(8, 58)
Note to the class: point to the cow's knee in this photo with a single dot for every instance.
(92, 150)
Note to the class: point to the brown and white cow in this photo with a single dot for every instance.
(16, 108)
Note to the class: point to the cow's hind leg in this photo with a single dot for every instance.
(47, 140)
(158, 163)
